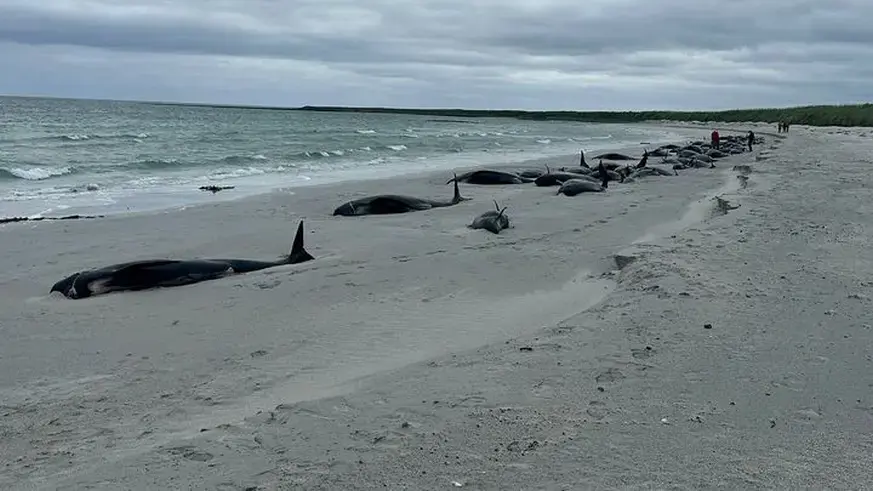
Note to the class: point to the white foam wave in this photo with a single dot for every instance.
(365, 132)
(397, 148)
(240, 172)
(39, 173)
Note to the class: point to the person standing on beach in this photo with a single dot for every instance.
(715, 139)
(751, 139)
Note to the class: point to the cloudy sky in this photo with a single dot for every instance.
(522, 54)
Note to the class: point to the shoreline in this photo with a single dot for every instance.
(399, 263)
(247, 192)
(197, 383)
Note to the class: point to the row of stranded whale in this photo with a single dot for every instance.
(571, 181)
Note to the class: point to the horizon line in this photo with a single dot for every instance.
(338, 108)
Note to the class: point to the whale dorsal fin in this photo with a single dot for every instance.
(298, 253)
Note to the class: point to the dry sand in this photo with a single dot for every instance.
(731, 351)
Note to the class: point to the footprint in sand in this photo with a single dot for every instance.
(642, 353)
(227, 486)
(191, 453)
(597, 410)
(609, 375)
(266, 285)
(469, 401)
(807, 416)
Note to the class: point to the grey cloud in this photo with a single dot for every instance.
(481, 52)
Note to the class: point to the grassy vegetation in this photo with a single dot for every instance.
(843, 115)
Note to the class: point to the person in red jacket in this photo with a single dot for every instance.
(715, 138)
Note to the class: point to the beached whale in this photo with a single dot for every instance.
(155, 273)
(387, 204)
(578, 186)
(584, 171)
(614, 156)
(605, 175)
(557, 178)
(493, 220)
(650, 171)
(488, 176)
(573, 187)
(531, 173)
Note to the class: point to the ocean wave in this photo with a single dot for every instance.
(149, 164)
(243, 159)
(365, 132)
(80, 138)
(462, 121)
(111, 136)
(34, 173)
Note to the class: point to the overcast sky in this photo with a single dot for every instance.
(521, 54)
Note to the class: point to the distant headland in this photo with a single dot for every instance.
(820, 115)
(812, 115)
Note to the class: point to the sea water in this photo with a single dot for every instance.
(61, 156)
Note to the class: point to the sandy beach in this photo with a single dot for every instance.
(647, 337)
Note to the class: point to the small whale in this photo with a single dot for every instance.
(531, 173)
(556, 178)
(614, 156)
(585, 171)
(155, 273)
(487, 176)
(578, 186)
(492, 220)
(387, 204)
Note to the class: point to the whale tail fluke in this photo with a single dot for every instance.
(457, 198)
(298, 253)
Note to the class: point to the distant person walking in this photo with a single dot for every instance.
(751, 139)
(715, 139)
